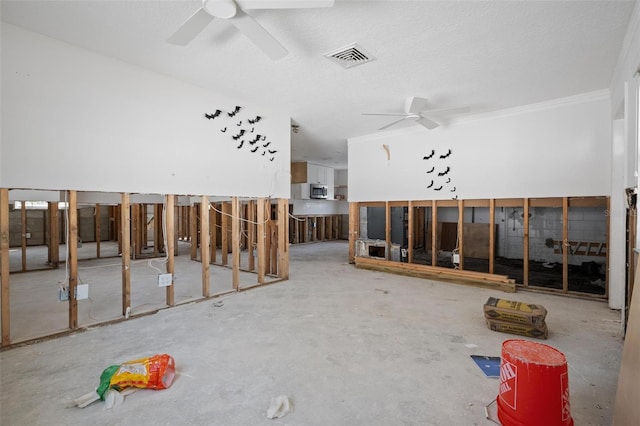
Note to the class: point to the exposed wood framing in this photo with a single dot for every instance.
(213, 228)
(410, 232)
(283, 240)
(244, 232)
(509, 202)
(354, 224)
(157, 230)
(434, 233)
(589, 202)
(545, 202)
(171, 243)
(72, 246)
(478, 279)
(96, 223)
(272, 242)
(251, 240)
(144, 231)
(261, 218)
(477, 203)
(193, 230)
(565, 244)
(118, 226)
(492, 235)
(387, 234)
(4, 266)
(125, 221)
(565, 247)
(23, 231)
(461, 232)
(54, 235)
(525, 242)
(204, 245)
(447, 203)
(135, 236)
(224, 231)
(235, 242)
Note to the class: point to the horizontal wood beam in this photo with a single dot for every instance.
(478, 279)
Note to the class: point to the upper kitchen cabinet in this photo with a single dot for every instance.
(303, 172)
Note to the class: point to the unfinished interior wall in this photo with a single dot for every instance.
(99, 118)
(112, 133)
(537, 151)
(504, 156)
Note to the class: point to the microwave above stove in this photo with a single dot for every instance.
(318, 191)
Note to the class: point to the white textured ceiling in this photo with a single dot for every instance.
(489, 55)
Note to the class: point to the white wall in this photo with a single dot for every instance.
(560, 148)
(72, 119)
(624, 108)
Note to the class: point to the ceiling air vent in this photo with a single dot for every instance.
(350, 56)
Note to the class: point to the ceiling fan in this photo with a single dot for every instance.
(418, 110)
(234, 12)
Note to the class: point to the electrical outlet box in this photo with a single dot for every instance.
(63, 294)
(82, 291)
(164, 280)
(27, 235)
(455, 258)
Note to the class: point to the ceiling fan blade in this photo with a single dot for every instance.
(191, 28)
(414, 104)
(392, 123)
(450, 110)
(428, 123)
(283, 4)
(381, 113)
(258, 35)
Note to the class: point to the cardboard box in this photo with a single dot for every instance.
(521, 329)
(515, 312)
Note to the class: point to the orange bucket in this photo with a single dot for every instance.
(534, 385)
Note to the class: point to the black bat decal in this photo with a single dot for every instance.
(236, 137)
(255, 149)
(454, 189)
(431, 184)
(264, 138)
(432, 169)
(455, 198)
(212, 116)
(255, 120)
(257, 138)
(264, 152)
(446, 155)
(430, 155)
(438, 188)
(234, 112)
(253, 142)
(266, 144)
(223, 130)
(448, 180)
(272, 151)
(239, 123)
(445, 172)
(272, 158)
(241, 143)
(252, 129)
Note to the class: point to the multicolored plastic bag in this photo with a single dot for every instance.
(156, 372)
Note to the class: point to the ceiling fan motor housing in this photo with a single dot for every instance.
(224, 9)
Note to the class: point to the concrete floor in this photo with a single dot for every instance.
(350, 347)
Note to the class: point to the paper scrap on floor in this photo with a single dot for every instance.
(490, 365)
